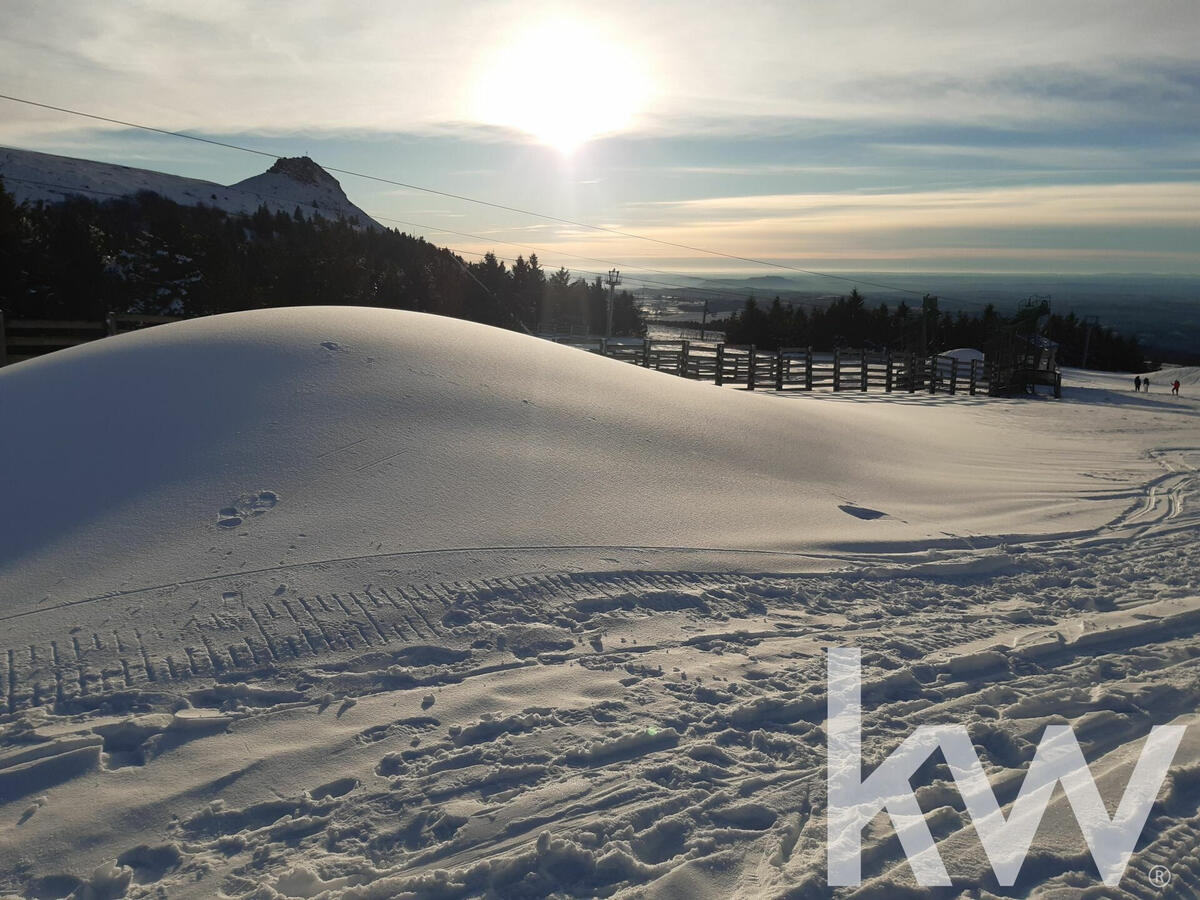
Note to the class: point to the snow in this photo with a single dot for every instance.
(964, 355)
(1185, 375)
(283, 436)
(366, 603)
(33, 177)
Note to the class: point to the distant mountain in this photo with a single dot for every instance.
(290, 184)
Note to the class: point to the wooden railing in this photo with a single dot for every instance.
(789, 368)
(22, 339)
(796, 368)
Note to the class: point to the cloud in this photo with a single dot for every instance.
(866, 127)
(1048, 156)
(1169, 203)
(1086, 227)
(228, 67)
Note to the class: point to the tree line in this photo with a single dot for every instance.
(84, 258)
(925, 329)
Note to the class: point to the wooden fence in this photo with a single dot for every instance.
(790, 368)
(797, 368)
(22, 339)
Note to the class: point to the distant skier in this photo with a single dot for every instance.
(1175, 387)
(1146, 385)
(1137, 383)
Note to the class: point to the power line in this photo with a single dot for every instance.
(608, 262)
(642, 280)
(70, 189)
(453, 251)
(725, 292)
(509, 259)
(67, 188)
(466, 199)
(192, 137)
(178, 134)
(492, 294)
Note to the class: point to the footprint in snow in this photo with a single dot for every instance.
(861, 512)
(245, 507)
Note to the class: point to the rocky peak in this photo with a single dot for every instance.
(303, 170)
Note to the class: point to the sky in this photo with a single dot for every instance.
(844, 136)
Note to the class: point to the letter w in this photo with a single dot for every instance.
(853, 803)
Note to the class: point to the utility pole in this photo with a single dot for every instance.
(614, 278)
(704, 320)
(1091, 322)
(929, 307)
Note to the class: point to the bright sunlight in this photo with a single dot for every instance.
(564, 83)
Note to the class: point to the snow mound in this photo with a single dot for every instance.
(272, 437)
(288, 682)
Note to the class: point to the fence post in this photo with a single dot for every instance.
(110, 323)
(863, 370)
(974, 377)
(779, 369)
(720, 364)
(933, 374)
(808, 368)
(645, 353)
(954, 375)
(751, 372)
(911, 374)
(889, 379)
(837, 370)
(3, 341)
(683, 360)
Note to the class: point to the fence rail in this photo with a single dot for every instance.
(786, 369)
(22, 339)
(798, 368)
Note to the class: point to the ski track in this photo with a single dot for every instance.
(709, 758)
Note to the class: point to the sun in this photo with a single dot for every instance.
(564, 83)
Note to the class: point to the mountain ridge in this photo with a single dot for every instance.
(291, 183)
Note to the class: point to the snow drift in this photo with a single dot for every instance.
(271, 437)
(358, 603)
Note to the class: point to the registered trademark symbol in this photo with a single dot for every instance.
(1160, 876)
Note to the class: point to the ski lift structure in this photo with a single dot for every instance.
(1022, 358)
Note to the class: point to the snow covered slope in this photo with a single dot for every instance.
(298, 181)
(371, 604)
(1187, 376)
(288, 184)
(387, 431)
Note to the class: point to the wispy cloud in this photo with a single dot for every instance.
(1097, 204)
(237, 66)
(1095, 225)
(775, 128)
